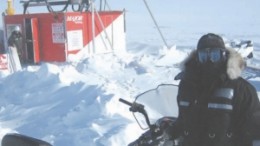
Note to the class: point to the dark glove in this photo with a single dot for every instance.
(165, 125)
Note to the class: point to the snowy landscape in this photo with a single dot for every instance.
(76, 103)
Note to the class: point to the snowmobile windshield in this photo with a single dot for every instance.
(158, 103)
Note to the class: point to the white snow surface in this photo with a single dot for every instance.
(76, 103)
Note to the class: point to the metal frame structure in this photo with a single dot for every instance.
(81, 4)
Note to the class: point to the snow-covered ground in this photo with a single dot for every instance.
(76, 103)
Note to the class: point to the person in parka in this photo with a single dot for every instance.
(16, 40)
(217, 107)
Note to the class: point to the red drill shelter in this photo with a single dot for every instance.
(53, 37)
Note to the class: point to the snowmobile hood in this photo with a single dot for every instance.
(235, 63)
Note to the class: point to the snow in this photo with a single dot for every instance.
(76, 103)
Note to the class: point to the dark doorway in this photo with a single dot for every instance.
(32, 42)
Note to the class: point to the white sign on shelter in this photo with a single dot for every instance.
(58, 33)
(75, 40)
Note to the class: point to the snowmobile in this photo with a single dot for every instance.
(244, 47)
(154, 111)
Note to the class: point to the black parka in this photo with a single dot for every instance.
(16, 40)
(217, 111)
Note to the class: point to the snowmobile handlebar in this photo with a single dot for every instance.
(134, 107)
(125, 102)
(137, 107)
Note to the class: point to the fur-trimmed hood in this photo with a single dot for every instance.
(235, 63)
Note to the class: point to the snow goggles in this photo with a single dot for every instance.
(211, 54)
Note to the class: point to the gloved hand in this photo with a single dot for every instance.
(165, 125)
(166, 122)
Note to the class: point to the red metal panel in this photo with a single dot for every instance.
(50, 51)
(35, 33)
(74, 21)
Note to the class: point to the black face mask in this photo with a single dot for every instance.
(212, 69)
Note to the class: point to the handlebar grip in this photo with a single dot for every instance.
(125, 102)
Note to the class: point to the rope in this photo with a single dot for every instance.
(165, 43)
